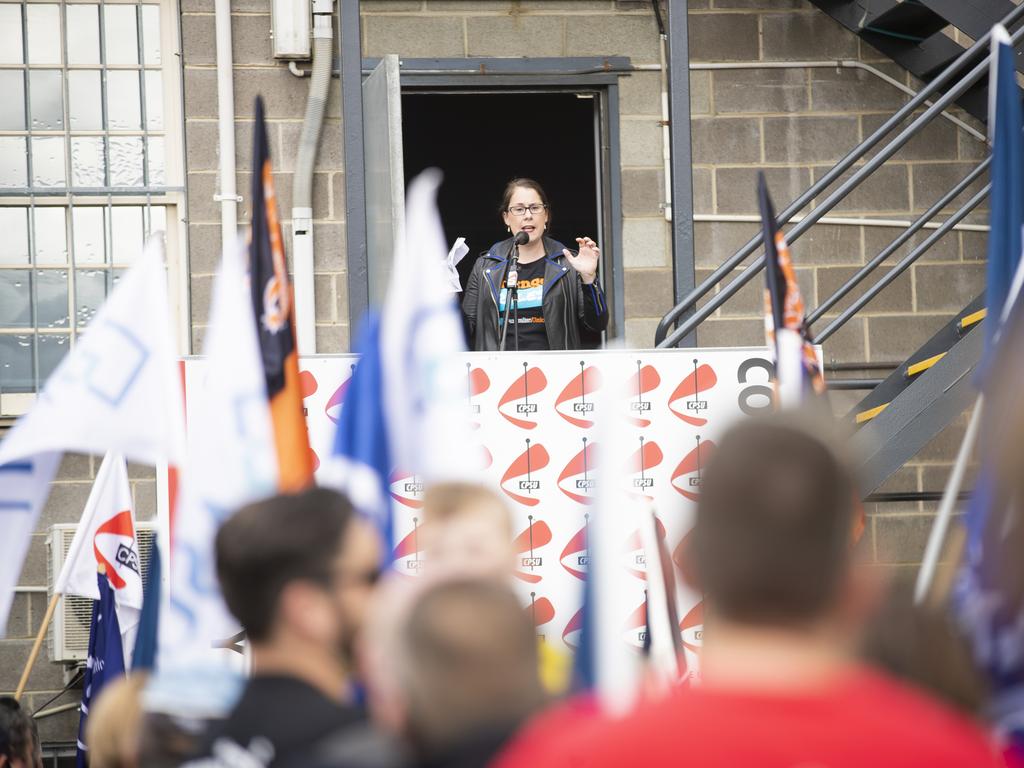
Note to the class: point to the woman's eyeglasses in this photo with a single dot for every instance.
(520, 210)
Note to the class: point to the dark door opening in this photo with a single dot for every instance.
(483, 140)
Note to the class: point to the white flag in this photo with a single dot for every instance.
(428, 417)
(106, 536)
(117, 390)
(231, 461)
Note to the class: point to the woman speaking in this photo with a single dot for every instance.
(557, 294)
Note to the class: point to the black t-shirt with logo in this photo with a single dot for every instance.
(532, 333)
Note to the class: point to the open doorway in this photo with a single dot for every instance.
(481, 140)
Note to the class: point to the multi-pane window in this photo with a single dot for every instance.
(84, 168)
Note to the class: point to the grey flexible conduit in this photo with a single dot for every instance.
(316, 105)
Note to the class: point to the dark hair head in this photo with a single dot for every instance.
(270, 543)
(19, 738)
(772, 533)
(510, 189)
(468, 663)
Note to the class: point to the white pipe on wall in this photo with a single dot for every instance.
(228, 196)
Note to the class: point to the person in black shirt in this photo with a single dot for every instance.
(560, 297)
(297, 572)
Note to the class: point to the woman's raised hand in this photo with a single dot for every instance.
(585, 262)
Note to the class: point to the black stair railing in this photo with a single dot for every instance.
(686, 317)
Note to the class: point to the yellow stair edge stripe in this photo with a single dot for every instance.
(968, 320)
(923, 365)
(869, 414)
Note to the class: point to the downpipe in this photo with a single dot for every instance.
(302, 184)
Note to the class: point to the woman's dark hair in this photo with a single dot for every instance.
(510, 190)
(18, 735)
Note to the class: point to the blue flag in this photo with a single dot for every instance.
(986, 598)
(105, 661)
(362, 455)
(144, 653)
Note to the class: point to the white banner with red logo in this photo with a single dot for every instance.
(106, 537)
(536, 414)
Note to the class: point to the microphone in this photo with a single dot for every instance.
(521, 238)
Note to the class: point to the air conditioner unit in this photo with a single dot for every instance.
(69, 629)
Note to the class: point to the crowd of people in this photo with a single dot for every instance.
(809, 656)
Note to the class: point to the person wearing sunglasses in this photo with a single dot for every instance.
(298, 572)
(558, 299)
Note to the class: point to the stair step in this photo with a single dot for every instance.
(865, 416)
(923, 365)
(909, 19)
(972, 319)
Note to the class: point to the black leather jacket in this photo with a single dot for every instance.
(568, 303)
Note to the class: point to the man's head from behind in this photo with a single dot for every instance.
(467, 664)
(19, 739)
(771, 540)
(298, 569)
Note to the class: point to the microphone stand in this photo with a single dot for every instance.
(511, 296)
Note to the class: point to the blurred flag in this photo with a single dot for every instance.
(144, 653)
(429, 423)
(231, 461)
(106, 537)
(797, 373)
(988, 594)
(361, 459)
(117, 390)
(606, 663)
(105, 662)
(406, 406)
(666, 662)
(274, 307)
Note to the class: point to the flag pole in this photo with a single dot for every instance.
(940, 527)
(37, 645)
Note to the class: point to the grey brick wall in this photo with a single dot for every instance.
(256, 72)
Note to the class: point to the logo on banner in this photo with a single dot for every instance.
(540, 611)
(575, 557)
(681, 552)
(406, 555)
(572, 405)
(634, 556)
(114, 546)
(686, 477)
(640, 464)
(519, 481)
(692, 628)
(644, 381)
(577, 478)
(476, 383)
(687, 401)
(308, 387)
(516, 404)
(636, 626)
(406, 488)
(334, 403)
(536, 535)
(573, 631)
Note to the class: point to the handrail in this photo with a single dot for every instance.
(903, 237)
(691, 299)
(820, 210)
(902, 265)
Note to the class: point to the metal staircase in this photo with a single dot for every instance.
(913, 34)
(921, 397)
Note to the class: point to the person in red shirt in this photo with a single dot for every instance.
(780, 686)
